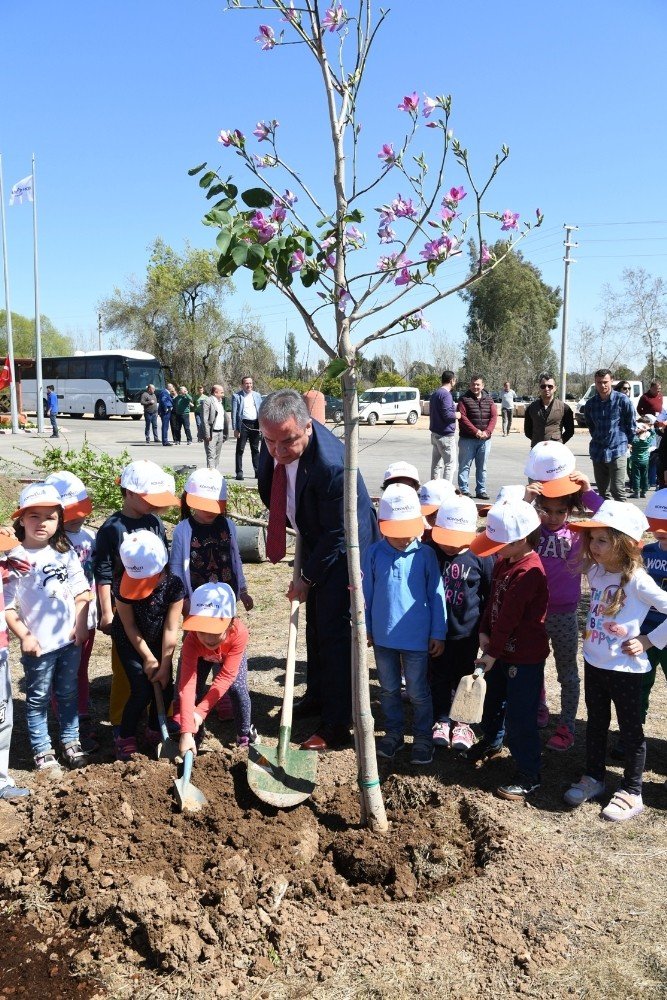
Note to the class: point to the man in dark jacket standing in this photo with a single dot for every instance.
(300, 477)
(548, 418)
(442, 425)
(478, 417)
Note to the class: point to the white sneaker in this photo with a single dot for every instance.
(583, 790)
(462, 737)
(623, 805)
(441, 734)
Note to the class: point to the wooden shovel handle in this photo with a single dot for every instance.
(288, 693)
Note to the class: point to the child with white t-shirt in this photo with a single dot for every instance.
(614, 649)
(48, 611)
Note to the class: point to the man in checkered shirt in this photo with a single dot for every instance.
(611, 420)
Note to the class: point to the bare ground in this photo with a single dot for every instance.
(108, 891)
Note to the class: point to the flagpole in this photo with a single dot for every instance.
(39, 390)
(8, 312)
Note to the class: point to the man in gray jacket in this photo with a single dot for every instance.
(215, 425)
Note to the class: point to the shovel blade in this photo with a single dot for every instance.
(282, 783)
(188, 797)
(167, 750)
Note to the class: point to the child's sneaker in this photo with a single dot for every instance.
(542, 715)
(125, 747)
(73, 756)
(422, 751)
(441, 733)
(87, 738)
(518, 790)
(623, 806)
(389, 746)
(583, 790)
(483, 752)
(46, 761)
(247, 738)
(463, 737)
(562, 739)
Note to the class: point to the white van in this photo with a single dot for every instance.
(389, 403)
(636, 390)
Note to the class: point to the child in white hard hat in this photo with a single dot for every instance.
(514, 643)
(215, 638)
(405, 619)
(149, 601)
(614, 649)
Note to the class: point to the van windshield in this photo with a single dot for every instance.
(372, 396)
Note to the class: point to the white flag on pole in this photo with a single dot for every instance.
(21, 190)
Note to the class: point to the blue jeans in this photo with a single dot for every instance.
(151, 425)
(510, 708)
(477, 450)
(165, 419)
(415, 669)
(53, 417)
(60, 670)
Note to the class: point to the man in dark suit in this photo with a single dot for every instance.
(314, 465)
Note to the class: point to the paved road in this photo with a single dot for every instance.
(379, 446)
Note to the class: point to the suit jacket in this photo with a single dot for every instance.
(237, 407)
(209, 412)
(319, 502)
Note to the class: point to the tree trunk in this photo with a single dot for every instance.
(372, 806)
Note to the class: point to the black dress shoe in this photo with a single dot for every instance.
(482, 496)
(306, 707)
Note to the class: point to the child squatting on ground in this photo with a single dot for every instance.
(214, 638)
(47, 609)
(405, 619)
(149, 602)
(466, 579)
(614, 651)
(514, 643)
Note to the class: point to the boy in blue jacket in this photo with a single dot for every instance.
(405, 619)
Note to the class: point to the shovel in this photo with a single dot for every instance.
(168, 748)
(468, 703)
(188, 798)
(282, 776)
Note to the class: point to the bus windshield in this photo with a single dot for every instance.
(139, 374)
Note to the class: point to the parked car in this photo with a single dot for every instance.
(389, 403)
(333, 409)
(636, 390)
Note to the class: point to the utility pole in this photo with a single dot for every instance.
(563, 342)
(99, 330)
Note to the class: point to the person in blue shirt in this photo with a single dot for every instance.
(52, 409)
(406, 619)
(165, 406)
(442, 425)
(611, 420)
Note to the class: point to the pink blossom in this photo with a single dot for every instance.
(394, 262)
(330, 260)
(386, 234)
(298, 261)
(228, 138)
(266, 37)
(329, 242)
(437, 249)
(403, 209)
(292, 16)
(447, 214)
(410, 103)
(510, 220)
(387, 153)
(334, 19)
(344, 298)
(263, 161)
(454, 197)
(423, 323)
(263, 131)
(289, 198)
(404, 278)
(354, 236)
(428, 106)
(265, 230)
(484, 256)
(279, 212)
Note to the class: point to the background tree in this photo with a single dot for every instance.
(177, 314)
(54, 343)
(639, 312)
(511, 313)
(297, 240)
(291, 354)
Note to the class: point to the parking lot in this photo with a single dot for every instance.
(379, 446)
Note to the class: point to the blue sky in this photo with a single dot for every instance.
(117, 101)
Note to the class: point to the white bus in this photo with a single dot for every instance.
(104, 383)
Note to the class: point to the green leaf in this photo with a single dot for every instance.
(223, 240)
(216, 217)
(257, 198)
(308, 276)
(216, 189)
(338, 365)
(354, 216)
(232, 190)
(195, 170)
(239, 254)
(255, 256)
(324, 222)
(226, 266)
(225, 204)
(207, 179)
(259, 279)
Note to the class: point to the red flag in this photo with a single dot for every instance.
(5, 375)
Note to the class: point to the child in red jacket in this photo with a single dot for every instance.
(215, 639)
(514, 643)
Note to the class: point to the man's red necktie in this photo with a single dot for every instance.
(275, 534)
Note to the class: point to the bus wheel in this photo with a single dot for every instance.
(100, 410)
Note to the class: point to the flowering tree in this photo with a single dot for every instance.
(289, 235)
